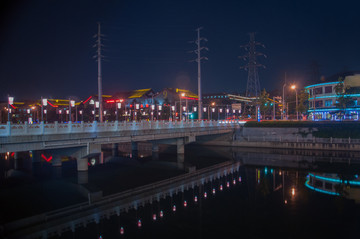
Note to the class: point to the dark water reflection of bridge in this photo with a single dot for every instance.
(185, 189)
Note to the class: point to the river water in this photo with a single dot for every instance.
(277, 193)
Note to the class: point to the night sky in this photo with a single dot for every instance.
(47, 46)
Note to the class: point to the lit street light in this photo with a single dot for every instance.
(296, 106)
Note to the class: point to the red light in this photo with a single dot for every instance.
(55, 106)
(121, 230)
(185, 203)
(131, 106)
(87, 100)
(161, 214)
(12, 154)
(227, 184)
(110, 101)
(205, 195)
(174, 208)
(139, 223)
(221, 187)
(147, 105)
(45, 158)
(13, 106)
(195, 199)
(142, 106)
(154, 217)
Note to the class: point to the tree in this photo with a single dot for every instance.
(303, 105)
(264, 102)
(342, 100)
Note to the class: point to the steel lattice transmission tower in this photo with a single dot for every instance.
(198, 60)
(253, 83)
(99, 56)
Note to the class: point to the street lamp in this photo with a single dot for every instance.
(10, 102)
(43, 103)
(181, 95)
(293, 87)
(71, 104)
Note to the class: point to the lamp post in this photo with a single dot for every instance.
(10, 102)
(296, 106)
(118, 106)
(43, 103)
(71, 104)
(181, 95)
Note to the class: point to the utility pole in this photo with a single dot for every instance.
(253, 83)
(198, 60)
(99, 56)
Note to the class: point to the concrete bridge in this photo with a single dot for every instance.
(83, 140)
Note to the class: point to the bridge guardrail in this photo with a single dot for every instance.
(66, 128)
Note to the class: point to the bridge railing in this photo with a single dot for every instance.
(72, 127)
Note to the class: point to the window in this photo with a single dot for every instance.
(318, 91)
(328, 103)
(318, 183)
(328, 186)
(319, 103)
(328, 89)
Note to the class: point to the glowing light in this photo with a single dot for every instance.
(173, 108)
(221, 110)
(161, 214)
(204, 109)
(293, 87)
(160, 107)
(221, 187)
(240, 179)
(185, 203)
(45, 158)
(28, 111)
(285, 201)
(153, 107)
(139, 223)
(92, 161)
(72, 103)
(118, 105)
(195, 199)
(205, 194)
(195, 109)
(97, 104)
(11, 100)
(213, 191)
(174, 208)
(293, 191)
(184, 108)
(320, 190)
(154, 217)
(137, 106)
(44, 102)
(122, 231)
(227, 184)
(234, 181)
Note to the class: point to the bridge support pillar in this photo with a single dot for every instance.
(81, 159)
(180, 146)
(56, 161)
(83, 177)
(115, 150)
(134, 149)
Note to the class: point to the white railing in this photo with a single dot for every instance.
(68, 128)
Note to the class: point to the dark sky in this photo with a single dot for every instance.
(46, 47)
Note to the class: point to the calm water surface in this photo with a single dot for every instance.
(277, 193)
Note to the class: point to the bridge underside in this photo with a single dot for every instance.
(86, 146)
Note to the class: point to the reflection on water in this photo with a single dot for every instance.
(288, 193)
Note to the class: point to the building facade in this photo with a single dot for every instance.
(324, 99)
